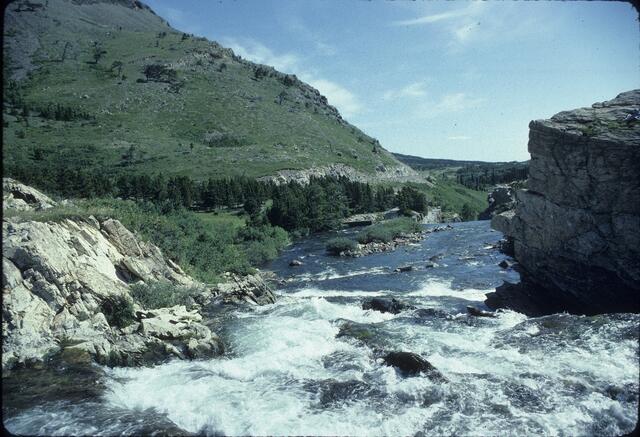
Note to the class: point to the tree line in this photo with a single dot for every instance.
(316, 206)
(483, 178)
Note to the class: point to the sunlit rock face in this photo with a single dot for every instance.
(61, 276)
(576, 229)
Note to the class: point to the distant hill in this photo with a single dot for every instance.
(109, 85)
(478, 175)
(419, 163)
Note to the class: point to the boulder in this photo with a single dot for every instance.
(476, 312)
(385, 305)
(295, 263)
(250, 289)
(403, 269)
(411, 364)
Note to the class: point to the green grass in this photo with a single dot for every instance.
(340, 244)
(386, 231)
(452, 197)
(162, 294)
(168, 130)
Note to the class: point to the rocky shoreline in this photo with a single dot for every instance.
(401, 240)
(67, 293)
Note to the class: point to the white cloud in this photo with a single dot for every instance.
(459, 138)
(416, 89)
(174, 16)
(434, 18)
(338, 96)
(449, 103)
(325, 49)
(257, 52)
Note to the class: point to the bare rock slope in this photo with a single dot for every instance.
(62, 280)
(576, 229)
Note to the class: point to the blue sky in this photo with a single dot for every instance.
(457, 80)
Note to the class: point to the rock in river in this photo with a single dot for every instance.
(385, 305)
(412, 364)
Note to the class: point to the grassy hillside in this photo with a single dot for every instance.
(478, 175)
(110, 85)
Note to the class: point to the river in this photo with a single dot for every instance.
(311, 363)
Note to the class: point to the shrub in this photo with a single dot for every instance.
(340, 244)
(159, 73)
(162, 294)
(118, 310)
(386, 231)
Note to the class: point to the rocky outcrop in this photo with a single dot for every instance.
(400, 173)
(23, 198)
(500, 199)
(251, 289)
(66, 290)
(576, 229)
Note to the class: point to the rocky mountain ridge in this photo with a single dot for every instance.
(576, 230)
(63, 280)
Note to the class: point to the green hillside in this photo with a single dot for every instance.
(109, 85)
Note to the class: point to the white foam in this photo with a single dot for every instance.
(332, 273)
(437, 288)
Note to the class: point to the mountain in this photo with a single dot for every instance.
(109, 86)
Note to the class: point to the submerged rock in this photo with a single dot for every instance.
(473, 311)
(403, 269)
(412, 364)
(385, 305)
(295, 263)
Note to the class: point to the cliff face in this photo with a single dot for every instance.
(576, 229)
(61, 280)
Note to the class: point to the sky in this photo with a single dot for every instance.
(457, 80)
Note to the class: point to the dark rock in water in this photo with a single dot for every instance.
(336, 392)
(428, 313)
(527, 298)
(431, 265)
(435, 257)
(504, 264)
(473, 311)
(359, 331)
(412, 364)
(296, 263)
(403, 269)
(506, 244)
(385, 305)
